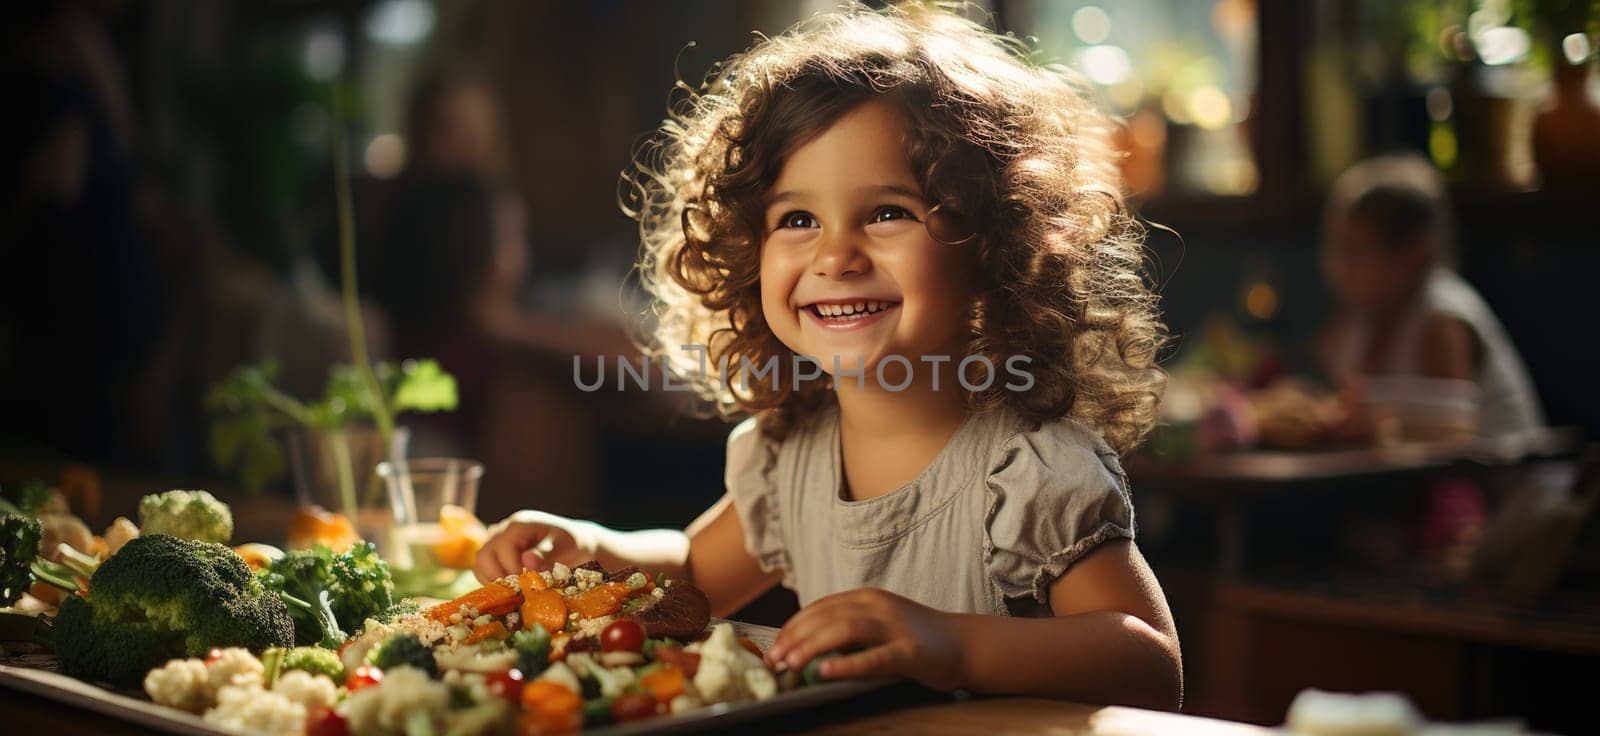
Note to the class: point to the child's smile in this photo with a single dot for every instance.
(848, 269)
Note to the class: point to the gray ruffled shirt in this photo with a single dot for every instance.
(998, 515)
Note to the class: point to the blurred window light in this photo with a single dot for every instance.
(385, 155)
(1576, 48)
(323, 52)
(1502, 45)
(1210, 108)
(1105, 65)
(400, 22)
(1091, 24)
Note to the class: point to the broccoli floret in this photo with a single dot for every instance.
(116, 652)
(533, 650)
(316, 660)
(401, 607)
(404, 650)
(193, 515)
(19, 544)
(329, 594)
(162, 597)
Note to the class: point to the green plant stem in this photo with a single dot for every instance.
(346, 470)
(347, 269)
(288, 405)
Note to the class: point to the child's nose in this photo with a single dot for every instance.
(839, 256)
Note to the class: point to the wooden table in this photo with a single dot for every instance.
(1230, 481)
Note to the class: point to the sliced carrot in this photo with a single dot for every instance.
(531, 580)
(491, 630)
(601, 600)
(750, 645)
(494, 599)
(546, 608)
(663, 684)
(550, 707)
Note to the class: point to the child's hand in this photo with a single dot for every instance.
(897, 637)
(534, 540)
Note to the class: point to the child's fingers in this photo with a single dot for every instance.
(886, 659)
(834, 634)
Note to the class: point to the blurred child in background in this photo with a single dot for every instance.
(1413, 346)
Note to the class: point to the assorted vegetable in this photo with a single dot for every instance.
(313, 641)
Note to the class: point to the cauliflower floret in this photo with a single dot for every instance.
(487, 716)
(383, 708)
(561, 674)
(727, 670)
(233, 667)
(306, 689)
(477, 658)
(119, 533)
(612, 681)
(249, 709)
(196, 515)
(374, 633)
(683, 704)
(180, 684)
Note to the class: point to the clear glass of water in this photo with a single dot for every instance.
(435, 533)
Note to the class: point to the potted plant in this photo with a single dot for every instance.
(335, 441)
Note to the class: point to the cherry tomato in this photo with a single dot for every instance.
(625, 635)
(323, 721)
(632, 707)
(507, 684)
(213, 655)
(365, 676)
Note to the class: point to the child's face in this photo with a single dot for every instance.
(1367, 274)
(844, 231)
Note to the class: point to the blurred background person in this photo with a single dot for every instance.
(1411, 339)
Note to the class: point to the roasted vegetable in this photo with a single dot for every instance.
(196, 515)
(160, 598)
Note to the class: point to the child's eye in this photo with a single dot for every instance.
(800, 220)
(890, 212)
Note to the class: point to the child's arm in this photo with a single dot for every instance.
(710, 553)
(1111, 640)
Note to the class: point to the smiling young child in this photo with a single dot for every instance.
(934, 225)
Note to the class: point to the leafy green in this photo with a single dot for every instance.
(30, 499)
(331, 594)
(19, 545)
(247, 408)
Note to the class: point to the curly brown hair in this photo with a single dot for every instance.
(1017, 157)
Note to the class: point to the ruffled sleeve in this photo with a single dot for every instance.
(755, 496)
(1055, 493)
